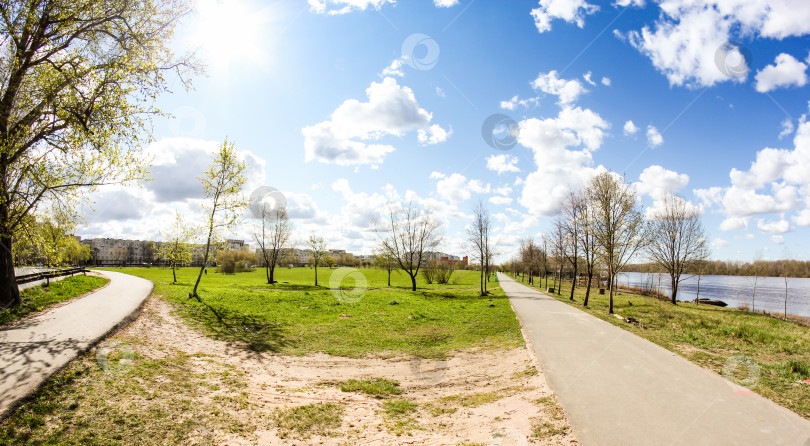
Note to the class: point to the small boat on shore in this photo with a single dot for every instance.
(717, 303)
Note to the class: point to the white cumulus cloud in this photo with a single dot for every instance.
(774, 227)
(572, 11)
(338, 7)
(500, 200)
(562, 148)
(654, 138)
(347, 138)
(502, 163)
(630, 128)
(567, 90)
(658, 182)
(785, 72)
(689, 41)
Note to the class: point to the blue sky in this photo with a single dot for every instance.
(345, 105)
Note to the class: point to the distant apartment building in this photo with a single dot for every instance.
(113, 251)
(118, 252)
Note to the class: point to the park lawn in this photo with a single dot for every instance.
(296, 317)
(717, 338)
(38, 298)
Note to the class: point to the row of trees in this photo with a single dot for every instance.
(771, 268)
(601, 227)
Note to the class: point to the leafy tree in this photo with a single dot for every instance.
(384, 260)
(47, 239)
(175, 249)
(78, 79)
(330, 261)
(319, 250)
(231, 261)
(77, 253)
(619, 226)
(222, 184)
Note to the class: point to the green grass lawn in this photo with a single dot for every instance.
(161, 401)
(38, 298)
(715, 337)
(296, 317)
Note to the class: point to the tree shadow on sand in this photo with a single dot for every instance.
(254, 332)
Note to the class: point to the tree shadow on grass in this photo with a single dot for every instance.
(287, 287)
(255, 333)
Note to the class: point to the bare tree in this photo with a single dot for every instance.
(273, 237)
(619, 226)
(542, 259)
(787, 270)
(531, 259)
(699, 268)
(571, 220)
(410, 235)
(319, 251)
(757, 265)
(585, 239)
(677, 238)
(222, 184)
(478, 235)
(559, 249)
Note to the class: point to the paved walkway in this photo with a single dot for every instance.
(620, 389)
(35, 349)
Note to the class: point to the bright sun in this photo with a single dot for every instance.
(227, 32)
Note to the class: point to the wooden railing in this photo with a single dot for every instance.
(47, 275)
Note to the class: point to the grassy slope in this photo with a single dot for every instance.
(295, 317)
(714, 337)
(39, 298)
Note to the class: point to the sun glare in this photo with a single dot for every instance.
(229, 32)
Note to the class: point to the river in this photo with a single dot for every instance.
(733, 290)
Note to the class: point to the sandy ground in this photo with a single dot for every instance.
(519, 399)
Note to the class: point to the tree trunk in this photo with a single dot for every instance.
(174, 273)
(316, 274)
(573, 282)
(413, 281)
(9, 292)
(272, 271)
(482, 281)
(610, 299)
(674, 290)
(389, 277)
(587, 290)
(697, 298)
(204, 263)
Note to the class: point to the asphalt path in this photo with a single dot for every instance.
(32, 350)
(620, 389)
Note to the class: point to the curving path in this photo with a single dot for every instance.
(620, 389)
(34, 349)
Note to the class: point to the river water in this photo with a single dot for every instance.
(733, 290)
